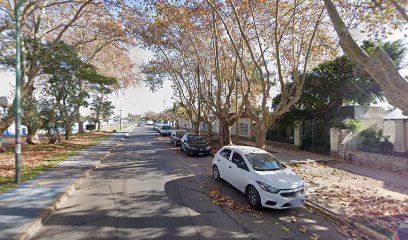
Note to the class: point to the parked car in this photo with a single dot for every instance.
(402, 233)
(265, 181)
(157, 127)
(194, 144)
(176, 136)
(165, 130)
(149, 122)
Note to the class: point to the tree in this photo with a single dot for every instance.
(150, 115)
(101, 108)
(333, 83)
(88, 25)
(40, 21)
(32, 119)
(380, 18)
(63, 86)
(281, 40)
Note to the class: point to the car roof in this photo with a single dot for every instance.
(245, 149)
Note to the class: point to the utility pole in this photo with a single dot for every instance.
(120, 119)
(199, 99)
(17, 107)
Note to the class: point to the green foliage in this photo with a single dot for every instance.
(351, 124)
(335, 82)
(374, 138)
(31, 116)
(101, 108)
(90, 127)
(395, 50)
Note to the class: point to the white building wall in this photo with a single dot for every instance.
(246, 121)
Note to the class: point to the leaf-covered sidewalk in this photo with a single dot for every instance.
(377, 204)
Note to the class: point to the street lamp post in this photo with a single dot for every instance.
(17, 107)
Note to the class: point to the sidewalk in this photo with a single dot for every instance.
(23, 209)
(369, 198)
(288, 156)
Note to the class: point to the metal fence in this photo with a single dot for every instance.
(316, 136)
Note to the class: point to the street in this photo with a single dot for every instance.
(149, 189)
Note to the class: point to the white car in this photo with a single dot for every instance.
(165, 130)
(257, 173)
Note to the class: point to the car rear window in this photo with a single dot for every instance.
(166, 127)
(226, 153)
(196, 139)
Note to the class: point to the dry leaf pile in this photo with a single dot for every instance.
(218, 199)
(357, 197)
(35, 155)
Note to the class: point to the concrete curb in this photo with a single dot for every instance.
(60, 199)
(360, 227)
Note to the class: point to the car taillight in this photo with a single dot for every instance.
(397, 237)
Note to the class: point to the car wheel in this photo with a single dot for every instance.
(216, 173)
(253, 198)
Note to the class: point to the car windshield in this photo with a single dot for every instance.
(196, 139)
(166, 127)
(180, 134)
(264, 162)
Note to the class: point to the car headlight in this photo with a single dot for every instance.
(208, 148)
(192, 148)
(267, 188)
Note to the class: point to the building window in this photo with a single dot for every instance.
(243, 128)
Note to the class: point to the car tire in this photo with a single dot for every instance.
(253, 198)
(216, 173)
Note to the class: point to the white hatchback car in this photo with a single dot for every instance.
(257, 173)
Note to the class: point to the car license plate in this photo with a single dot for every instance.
(200, 153)
(297, 202)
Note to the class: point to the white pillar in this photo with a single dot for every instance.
(297, 135)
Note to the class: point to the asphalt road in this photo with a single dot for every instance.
(148, 189)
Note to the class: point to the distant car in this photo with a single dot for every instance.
(149, 122)
(165, 130)
(157, 127)
(402, 233)
(265, 181)
(194, 144)
(176, 135)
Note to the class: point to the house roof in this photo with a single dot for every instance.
(244, 114)
(395, 114)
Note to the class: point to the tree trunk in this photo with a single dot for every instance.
(379, 65)
(6, 122)
(196, 127)
(226, 130)
(32, 136)
(210, 127)
(261, 138)
(81, 128)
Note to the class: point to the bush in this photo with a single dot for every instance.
(374, 138)
(90, 127)
(348, 123)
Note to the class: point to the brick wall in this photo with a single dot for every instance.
(390, 162)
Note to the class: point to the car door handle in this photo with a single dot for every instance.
(230, 167)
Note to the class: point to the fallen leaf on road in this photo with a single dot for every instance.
(286, 229)
(303, 229)
(314, 237)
